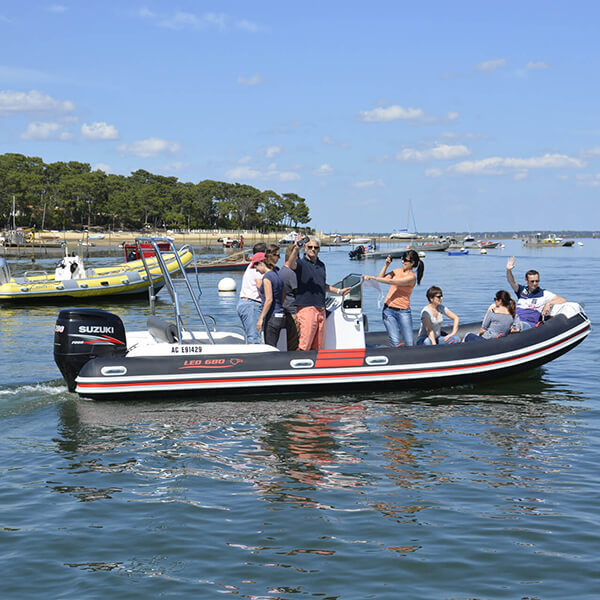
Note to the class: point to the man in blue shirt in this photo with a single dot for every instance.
(533, 302)
(310, 297)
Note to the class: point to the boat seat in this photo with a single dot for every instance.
(161, 330)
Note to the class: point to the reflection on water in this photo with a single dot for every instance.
(260, 498)
(289, 450)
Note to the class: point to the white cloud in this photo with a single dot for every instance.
(246, 172)
(498, 166)
(249, 26)
(150, 147)
(452, 116)
(324, 170)
(329, 141)
(245, 160)
(99, 131)
(272, 151)
(588, 180)
(537, 65)
(368, 184)
(181, 20)
(12, 102)
(57, 8)
(391, 113)
(591, 152)
(433, 172)
(146, 13)
(439, 152)
(45, 131)
(288, 176)
(489, 66)
(254, 80)
(102, 167)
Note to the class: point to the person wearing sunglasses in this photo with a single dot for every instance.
(310, 295)
(397, 316)
(432, 317)
(500, 319)
(533, 302)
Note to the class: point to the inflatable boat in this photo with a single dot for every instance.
(99, 359)
(71, 280)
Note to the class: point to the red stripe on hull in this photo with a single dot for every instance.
(345, 362)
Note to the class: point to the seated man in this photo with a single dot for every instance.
(533, 302)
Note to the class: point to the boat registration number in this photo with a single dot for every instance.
(186, 349)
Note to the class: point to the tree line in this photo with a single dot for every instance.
(69, 195)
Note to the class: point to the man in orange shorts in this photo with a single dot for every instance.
(310, 297)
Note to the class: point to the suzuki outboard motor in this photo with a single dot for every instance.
(81, 334)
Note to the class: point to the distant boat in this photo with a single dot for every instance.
(487, 244)
(361, 252)
(289, 238)
(550, 241)
(462, 252)
(405, 234)
(430, 246)
(238, 261)
(468, 238)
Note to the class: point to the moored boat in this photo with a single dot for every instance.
(550, 241)
(71, 280)
(487, 244)
(430, 246)
(100, 359)
(238, 261)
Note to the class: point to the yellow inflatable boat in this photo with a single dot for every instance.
(72, 280)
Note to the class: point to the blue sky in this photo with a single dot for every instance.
(484, 115)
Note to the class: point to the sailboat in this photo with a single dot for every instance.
(405, 234)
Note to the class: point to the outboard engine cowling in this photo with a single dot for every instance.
(81, 334)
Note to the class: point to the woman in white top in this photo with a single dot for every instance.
(432, 317)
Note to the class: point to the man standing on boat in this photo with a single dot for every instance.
(249, 306)
(533, 302)
(310, 297)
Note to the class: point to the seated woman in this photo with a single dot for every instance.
(500, 319)
(432, 317)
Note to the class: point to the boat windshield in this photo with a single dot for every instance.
(353, 299)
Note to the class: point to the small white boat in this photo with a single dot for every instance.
(404, 234)
(289, 238)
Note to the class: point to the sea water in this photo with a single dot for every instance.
(485, 491)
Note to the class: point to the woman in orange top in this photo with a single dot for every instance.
(397, 316)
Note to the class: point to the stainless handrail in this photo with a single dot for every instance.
(153, 241)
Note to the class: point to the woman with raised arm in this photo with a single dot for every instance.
(397, 316)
